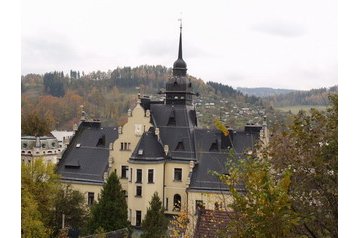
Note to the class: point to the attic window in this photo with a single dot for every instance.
(180, 146)
(172, 121)
(24, 145)
(43, 145)
(140, 152)
(72, 166)
(78, 145)
(214, 147)
(101, 141)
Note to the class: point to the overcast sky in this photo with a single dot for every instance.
(247, 43)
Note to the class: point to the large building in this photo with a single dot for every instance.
(160, 149)
(85, 162)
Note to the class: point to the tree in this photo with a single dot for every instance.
(155, 223)
(71, 203)
(31, 221)
(40, 186)
(261, 203)
(110, 212)
(309, 148)
(32, 123)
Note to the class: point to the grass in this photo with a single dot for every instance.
(297, 108)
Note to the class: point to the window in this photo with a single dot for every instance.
(180, 146)
(90, 198)
(125, 145)
(177, 202)
(138, 219)
(139, 176)
(216, 206)
(130, 175)
(150, 175)
(139, 191)
(198, 205)
(177, 174)
(124, 172)
(130, 215)
(166, 204)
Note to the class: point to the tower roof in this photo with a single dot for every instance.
(179, 66)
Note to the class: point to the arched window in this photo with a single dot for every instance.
(177, 202)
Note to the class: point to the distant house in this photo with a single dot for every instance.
(45, 147)
(63, 137)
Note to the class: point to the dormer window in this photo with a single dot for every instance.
(214, 147)
(180, 146)
(140, 152)
(172, 121)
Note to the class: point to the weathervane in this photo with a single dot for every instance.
(181, 20)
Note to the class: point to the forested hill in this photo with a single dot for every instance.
(58, 96)
(318, 97)
(264, 92)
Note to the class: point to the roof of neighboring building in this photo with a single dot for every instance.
(61, 134)
(212, 223)
(86, 157)
(44, 142)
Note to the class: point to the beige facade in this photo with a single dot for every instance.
(129, 135)
(88, 190)
(141, 188)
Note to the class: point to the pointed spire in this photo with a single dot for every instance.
(180, 53)
(179, 67)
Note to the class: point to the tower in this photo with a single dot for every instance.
(179, 88)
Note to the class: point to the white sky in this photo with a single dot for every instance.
(247, 43)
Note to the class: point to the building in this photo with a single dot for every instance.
(161, 149)
(85, 162)
(63, 137)
(44, 147)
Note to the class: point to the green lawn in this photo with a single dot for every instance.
(295, 109)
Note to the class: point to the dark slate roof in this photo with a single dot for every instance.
(215, 160)
(212, 223)
(208, 148)
(176, 125)
(148, 148)
(86, 157)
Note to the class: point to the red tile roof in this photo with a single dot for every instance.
(211, 222)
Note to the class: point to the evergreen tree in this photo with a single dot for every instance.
(155, 223)
(110, 212)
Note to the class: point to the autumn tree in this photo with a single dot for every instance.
(155, 223)
(32, 123)
(309, 148)
(261, 204)
(40, 186)
(110, 212)
(31, 219)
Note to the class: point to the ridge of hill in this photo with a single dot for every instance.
(264, 91)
